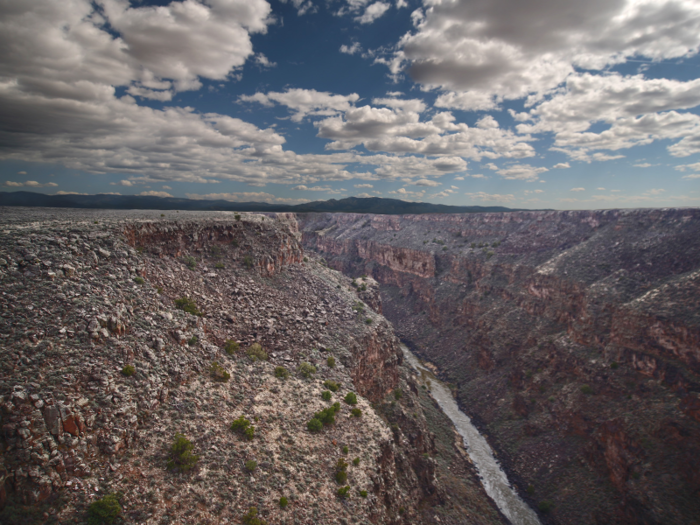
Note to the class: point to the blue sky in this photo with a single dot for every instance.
(542, 104)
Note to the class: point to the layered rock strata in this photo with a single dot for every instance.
(573, 339)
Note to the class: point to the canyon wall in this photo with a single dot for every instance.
(573, 339)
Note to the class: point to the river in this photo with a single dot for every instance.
(492, 476)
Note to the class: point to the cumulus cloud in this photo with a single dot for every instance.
(561, 165)
(305, 102)
(426, 182)
(372, 12)
(521, 172)
(364, 186)
(246, 197)
(491, 197)
(364, 195)
(642, 165)
(352, 49)
(577, 189)
(688, 167)
(30, 184)
(154, 194)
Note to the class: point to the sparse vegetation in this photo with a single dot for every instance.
(345, 449)
(219, 373)
(351, 398)
(324, 417)
(331, 385)
(181, 457)
(139, 280)
(343, 492)
(614, 365)
(128, 370)
(283, 502)
(231, 347)
(219, 266)
(191, 262)
(314, 425)
(105, 510)
(330, 362)
(356, 412)
(251, 517)
(281, 372)
(363, 493)
(398, 394)
(251, 465)
(192, 340)
(248, 262)
(341, 471)
(307, 369)
(545, 506)
(256, 352)
(243, 427)
(356, 461)
(586, 390)
(326, 395)
(187, 305)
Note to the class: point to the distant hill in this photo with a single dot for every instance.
(136, 202)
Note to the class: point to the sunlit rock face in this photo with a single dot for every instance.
(573, 339)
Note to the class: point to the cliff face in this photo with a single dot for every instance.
(114, 337)
(573, 339)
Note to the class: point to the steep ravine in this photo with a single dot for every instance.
(572, 338)
(100, 370)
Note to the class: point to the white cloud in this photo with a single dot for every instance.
(351, 50)
(373, 11)
(305, 102)
(166, 188)
(577, 189)
(409, 195)
(69, 193)
(460, 177)
(690, 167)
(263, 61)
(30, 184)
(426, 182)
(562, 165)
(154, 194)
(364, 195)
(600, 189)
(326, 189)
(21, 173)
(491, 197)
(642, 165)
(364, 186)
(246, 197)
(691, 176)
(521, 172)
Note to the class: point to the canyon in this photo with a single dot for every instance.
(572, 340)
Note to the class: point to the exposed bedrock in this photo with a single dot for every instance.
(573, 339)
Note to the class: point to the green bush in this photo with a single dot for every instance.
(356, 461)
(351, 398)
(331, 361)
(307, 369)
(356, 412)
(326, 395)
(314, 425)
(363, 493)
(248, 261)
(341, 477)
(283, 502)
(219, 373)
(251, 465)
(343, 492)
(139, 280)
(181, 457)
(193, 340)
(243, 427)
(281, 372)
(331, 385)
(187, 305)
(614, 365)
(191, 262)
(256, 352)
(545, 506)
(586, 390)
(345, 449)
(105, 510)
(231, 347)
(128, 370)
(368, 321)
(219, 266)
(238, 218)
(398, 394)
(251, 517)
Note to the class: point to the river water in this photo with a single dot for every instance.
(493, 478)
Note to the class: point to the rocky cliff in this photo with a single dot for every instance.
(573, 339)
(121, 331)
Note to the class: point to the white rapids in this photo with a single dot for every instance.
(493, 478)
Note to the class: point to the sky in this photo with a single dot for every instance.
(563, 104)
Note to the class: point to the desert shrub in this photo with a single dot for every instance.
(341, 477)
(359, 307)
(326, 395)
(283, 502)
(105, 510)
(251, 517)
(281, 372)
(256, 352)
(306, 259)
(219, 266)
(193, 340)
(356, 412)
(345, 449)
(139, 280)
(237, 216)
(248, 261)
(356, 461)
(545, 506)
(243, 427)
(191, 262)
(187, 305)
(307, 369)
(314, 425)
(219, 373)
(129, 370)
(331, 385)
(343, 492)
(586, 390)
(159, 289)
(181, 457)
(398, 394)
(614, 365)
(363, 493)
(251, 465)
(368, 321)
(351, 398)
(331, 361)
(231, 347)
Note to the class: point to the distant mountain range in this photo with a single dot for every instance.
(136, 202)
